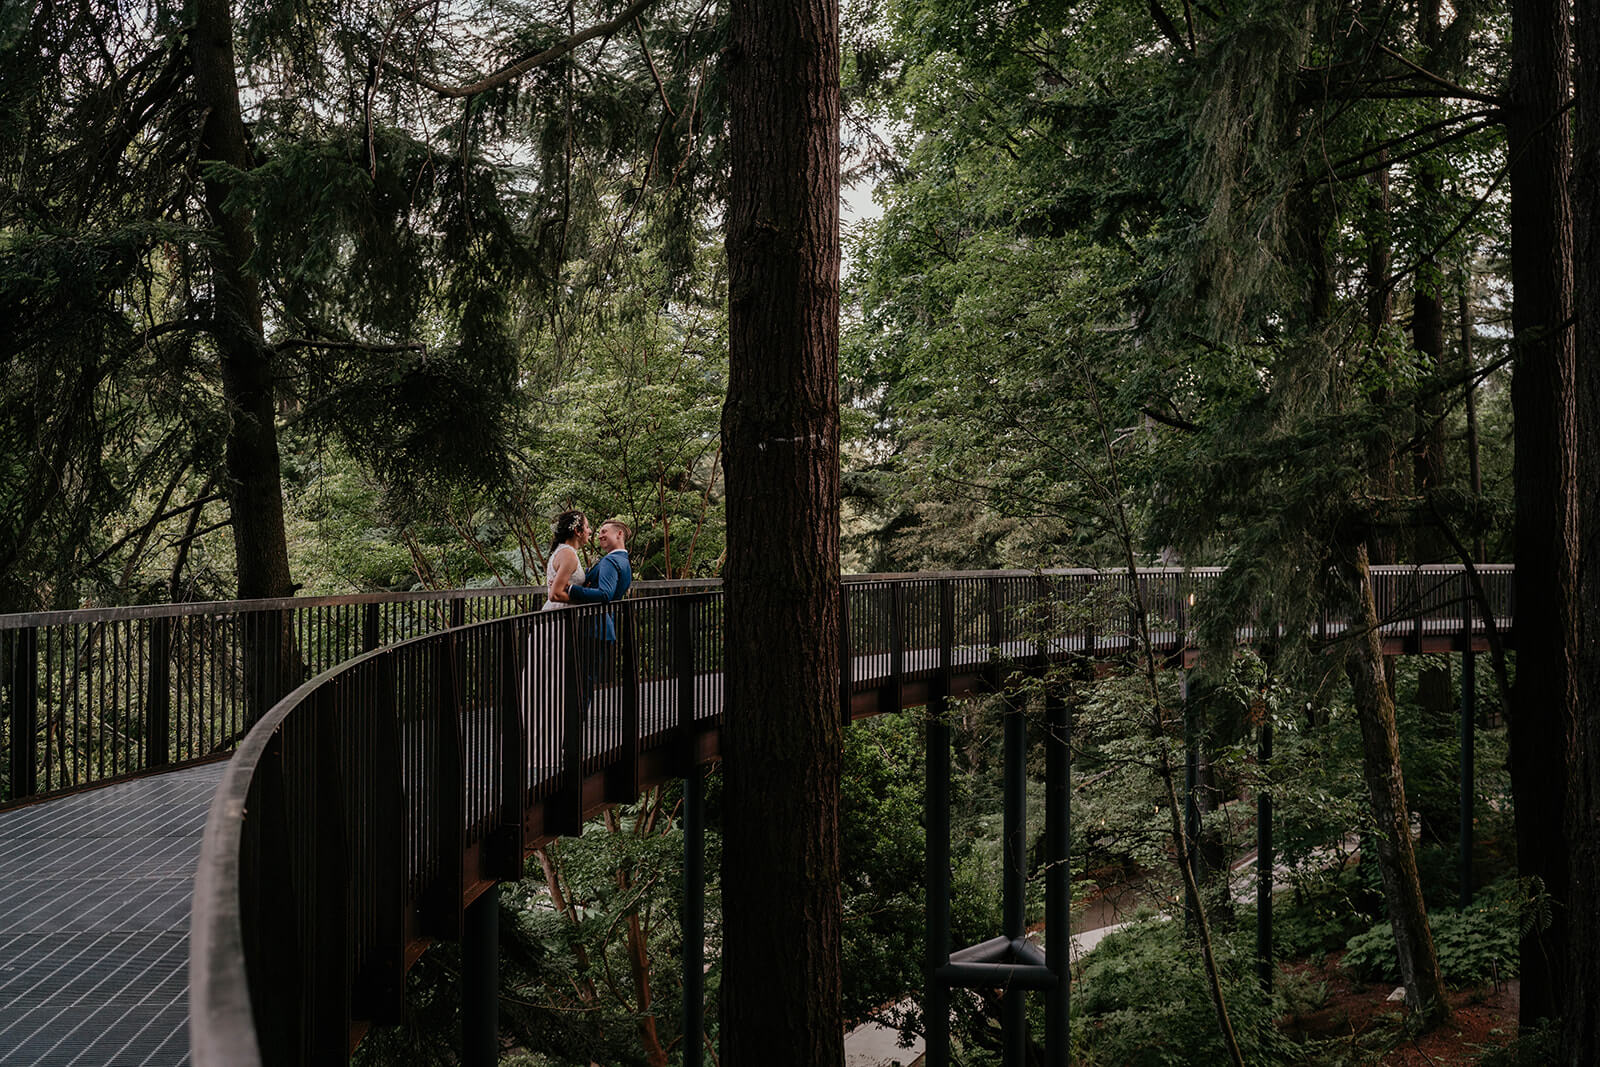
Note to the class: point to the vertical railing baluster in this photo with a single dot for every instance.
(846, 656)
(24, 687)
(683, 672)
(1417, 609)
(443, 908)
(383, 986)
(328, 908)
(369, 627)
(891, 696)
(510, 833)
(158, 703)
(269, 912)
(567, 807)
(995, 635)
(622, 778)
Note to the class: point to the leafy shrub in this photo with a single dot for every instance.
(1142, 1000)
(1475, 945)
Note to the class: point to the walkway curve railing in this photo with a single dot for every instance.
(366, 809)
(99, 695)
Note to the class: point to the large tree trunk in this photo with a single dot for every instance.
(1581, 1034)
(780, 430)
(1380, 312)
(1380, 763)
(1543, 408)
(1427, 319)
(254, 485)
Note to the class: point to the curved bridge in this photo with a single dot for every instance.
(391, 790)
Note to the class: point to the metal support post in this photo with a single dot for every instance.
(1468, 785)
(1264, 860)
(158, 695)
(936, 820)
(1013, 1012)
(1058, 877)
(480, 981)
(694, 914)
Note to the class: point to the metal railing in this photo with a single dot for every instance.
(98, 695)
(362, 810)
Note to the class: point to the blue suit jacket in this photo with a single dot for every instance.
(607, 581)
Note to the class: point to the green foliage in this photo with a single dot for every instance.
(1141, 999)
(1308, 925)
(1474, 945)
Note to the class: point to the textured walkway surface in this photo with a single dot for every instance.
(94, 923)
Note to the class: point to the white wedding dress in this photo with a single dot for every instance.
(577, 575)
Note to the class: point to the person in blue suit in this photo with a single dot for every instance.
(608, 580)
(605, 583)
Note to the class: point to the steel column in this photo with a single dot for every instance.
(936, 820)
(1264, 858)
(1058, 876)
(1191, 787)
(694, 917)
(1013, 1013)
(480, 981)
(1468, 785)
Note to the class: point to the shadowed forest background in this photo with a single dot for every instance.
(307, 298)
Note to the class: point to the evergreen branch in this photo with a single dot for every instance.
(1450, 138)
(1411, 135)
(1357, 93)
(1480, 202)
(1176, 422)
(372, 78)
(161, 329)
(1180, 838)
(655, 75)
(1459, 91)
(143, 532)
(348, 346)
(511, 71)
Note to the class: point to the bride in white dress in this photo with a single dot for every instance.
(565, 567)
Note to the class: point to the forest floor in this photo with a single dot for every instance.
(1483, 1018)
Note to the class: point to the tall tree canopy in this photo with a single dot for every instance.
(355, 226)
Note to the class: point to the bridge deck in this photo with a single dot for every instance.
(95, 893)
(94, 923)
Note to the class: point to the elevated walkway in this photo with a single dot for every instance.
(94, 944)
(95, 886)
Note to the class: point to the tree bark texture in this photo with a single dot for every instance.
(1380, 763)
(1380, 313)
(1581, 1032)
(1543, 407)
(254, 482)
(1427, 318)
(780, 430)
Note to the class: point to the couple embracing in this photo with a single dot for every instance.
(607, 581)
(568, 583)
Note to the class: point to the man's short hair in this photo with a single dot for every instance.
(627, 531)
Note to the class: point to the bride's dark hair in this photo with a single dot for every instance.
(568, 525)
